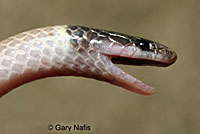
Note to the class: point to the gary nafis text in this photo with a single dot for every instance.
(69, 128)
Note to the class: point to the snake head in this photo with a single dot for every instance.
(109, 48)
(131, 50)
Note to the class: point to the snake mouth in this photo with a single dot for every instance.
(123, 79)
(120, 78)
(166, 61)
(138, 62)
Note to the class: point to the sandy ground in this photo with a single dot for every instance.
(106, 108)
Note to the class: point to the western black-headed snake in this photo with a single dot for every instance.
(78, 51)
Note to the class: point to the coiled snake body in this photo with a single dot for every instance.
(78, 51)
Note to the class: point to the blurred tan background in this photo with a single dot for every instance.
(175, 108)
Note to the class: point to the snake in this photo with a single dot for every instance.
(73, 50)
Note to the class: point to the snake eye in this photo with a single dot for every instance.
(143, 44)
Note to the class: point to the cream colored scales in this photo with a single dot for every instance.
(78, 51)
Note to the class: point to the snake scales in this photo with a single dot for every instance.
(78, 51)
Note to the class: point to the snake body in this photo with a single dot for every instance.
(79, 51)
